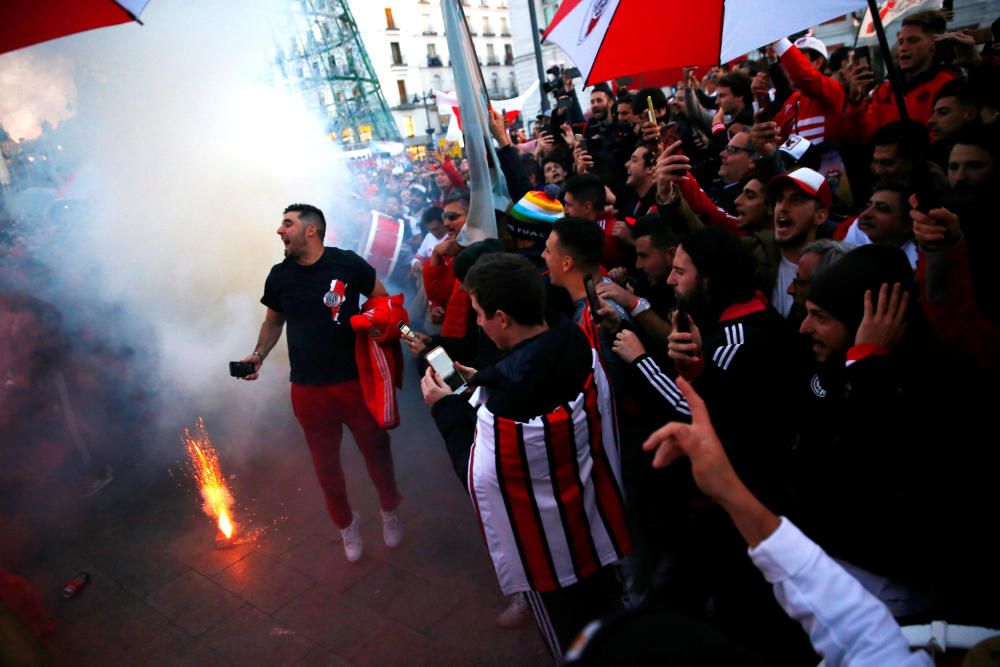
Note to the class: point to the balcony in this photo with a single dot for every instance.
(434, 61)
(429, 32)
(505, 33)
(398, 63)
(493, 63)
(489, 34)
(508, 61)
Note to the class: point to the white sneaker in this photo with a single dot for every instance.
(517, 613)
(392, 529)
(352, 539)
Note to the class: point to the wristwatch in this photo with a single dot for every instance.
(641, 307)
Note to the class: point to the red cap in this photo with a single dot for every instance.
(811, 182)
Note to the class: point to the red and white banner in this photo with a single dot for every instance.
(607, 39)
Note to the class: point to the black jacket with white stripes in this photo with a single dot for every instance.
(746, 378)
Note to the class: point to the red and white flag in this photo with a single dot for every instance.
(608, 39)
(890, 11)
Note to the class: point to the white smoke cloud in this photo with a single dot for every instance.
(36, 87)
(197, 154)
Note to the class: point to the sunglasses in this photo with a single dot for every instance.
(733, 150)
(451, 215)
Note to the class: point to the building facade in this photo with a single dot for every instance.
(409, 53)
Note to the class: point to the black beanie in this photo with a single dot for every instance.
(468, 257)
(840, 289)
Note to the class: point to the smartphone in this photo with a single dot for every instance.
(592, 300)
(683, 326)
(443, 366)
(669, 135)
(240, 369)
(862, 55)
(927, 189)
(405, 330)
(763, 108)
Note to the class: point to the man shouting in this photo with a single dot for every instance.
(316, 290)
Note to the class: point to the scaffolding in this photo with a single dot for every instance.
(327, 60)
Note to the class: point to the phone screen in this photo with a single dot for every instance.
(443, 366)
(669, 135)
(407, 331)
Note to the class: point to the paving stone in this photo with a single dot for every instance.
(197, 550)
(403, 597)
(111, 631)
(322, 658)
(323, 559)
(174, 648)
(250, 637)
(195, 603)
(264, 582)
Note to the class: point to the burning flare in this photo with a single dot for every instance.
(205, 464)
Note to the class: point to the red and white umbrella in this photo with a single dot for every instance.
(27, 22)
(608, 39)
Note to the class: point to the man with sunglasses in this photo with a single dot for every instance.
(736, 169)
(439, 276)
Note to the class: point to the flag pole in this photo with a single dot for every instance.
(537, 44)
(895, 82)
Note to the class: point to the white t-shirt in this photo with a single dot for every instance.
(780, 298)
(426, 248)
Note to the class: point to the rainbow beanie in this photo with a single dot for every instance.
(532, 217)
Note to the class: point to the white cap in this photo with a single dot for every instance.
(810, 42)
(397, 171)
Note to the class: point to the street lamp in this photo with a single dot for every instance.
(425, 98)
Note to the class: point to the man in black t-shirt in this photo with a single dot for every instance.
(316, 290)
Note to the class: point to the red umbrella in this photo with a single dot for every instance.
(27, 22)
(607, 39)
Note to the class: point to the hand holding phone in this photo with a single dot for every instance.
(442, 364)
(241, 369)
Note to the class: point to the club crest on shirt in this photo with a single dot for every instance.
(590, 19)
(816, 387)
(334, 298)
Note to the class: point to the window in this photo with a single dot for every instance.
(408, 130)
(486, 26)
(397, 55)
(494, 84)
(504, 28)
(390, 23)
(508, 54)
(401, 85)
(491, 56)
(425, 20)
(436, 82)
(433, 60)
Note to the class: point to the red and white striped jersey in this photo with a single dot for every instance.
(548, 490)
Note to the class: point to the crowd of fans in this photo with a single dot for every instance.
(779, 242)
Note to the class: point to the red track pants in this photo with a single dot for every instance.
(322, 410)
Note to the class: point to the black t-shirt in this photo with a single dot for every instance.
(320, 351)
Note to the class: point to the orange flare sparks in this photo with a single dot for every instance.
(205, 465)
